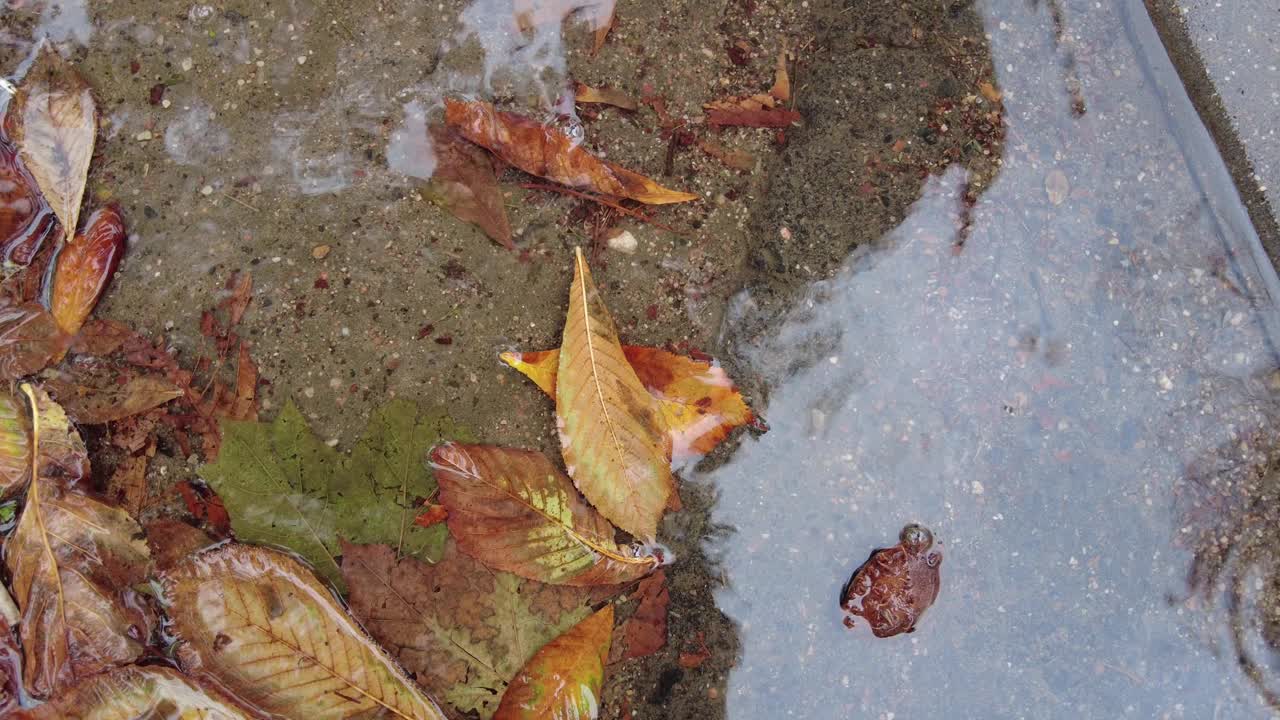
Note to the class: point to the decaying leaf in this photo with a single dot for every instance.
(514, 510)
(645, 632)
(698, 400)
(173, 542)
(432, 514)
(462, 629)
(465, 184)
(63, 456)
(990, 92)
(84, 268)
(781, 80)
(756, 118)
(26, 219)
(259, 622)
(54, 124)
(736, 159)
(613, 436)
(139, 693)
(93, 399)
(15, 462)
(1056, 186)
(74, 563)
(563, 680)
(605, 96)
(283, 486)
(550, 153)
(29, 338)
(127, 486)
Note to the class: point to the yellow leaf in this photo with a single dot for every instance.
(563, 680)
(612, 435)
(260, 623)
(139, 693)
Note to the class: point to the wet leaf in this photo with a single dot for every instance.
(26, 219)
(601, 32)
(54, 124)
(15, 462)
(431, 514)
(605, 96)
(30, 339)
(84, 268)
(1056, 186)
(127, 486)
(698, 400)
(990, 92)
(63, 456)
(645, 632)
(283, 486)
(515, 511)
(173, 541)
(239, 288)
(93, 399)
(465, 184)
(550, 153)
(613, 437)
(74, 562)
(261, 624)
(462, 629)
(139, 693)
(563, 680)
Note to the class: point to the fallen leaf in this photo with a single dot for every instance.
(515, 511)
(206, 507)
(15, 462)
(54, 124)
(601, 33)
(1056, 186)
(775, 118)
(613, 437)
(691, 659)
(96, 398)
(63, 456)
(432, 514)
(781, 80)
(259, 623)
(84, 268)
(239, 289)
(645, 632)
(990, 92)
(26, 219)
(462, 629)
(283, 486)
(605, 96)
(74, 563)
(101, 337)
(127, 486)
(139, 693)
(173, 541)
(550, 153)
(736, 159)
(465, 184)
(30, 339)
(698, 400)
(562, 681)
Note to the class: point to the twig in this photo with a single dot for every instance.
(235, 199)
(598, 199)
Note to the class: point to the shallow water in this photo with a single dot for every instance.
(1070, 382)
(1035, 394)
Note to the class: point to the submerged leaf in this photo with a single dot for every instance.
(94, 399)
(645, 632)
(464, 183)
(63, 456)
(15, 462)
(139, 693)
(515, 511)
(259, 622)
(85, 266)
(463, 630)
(698, 400)
(550, 153)
(613, 437)
(26, 219)
(283, 486)
(54, 124)
(563, 680)
(30, 338)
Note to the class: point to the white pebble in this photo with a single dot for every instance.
(977, 488)
(206, 190)
(187, 64)
(624, 242)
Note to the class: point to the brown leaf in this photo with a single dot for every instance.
(29, 339)
(15, 445)
(736, 159)
(139, 693)
(173, 541)
(602, 32)
(54, 124)
(605, 96)
(96, 398)
(645, 632)
(26, 219)
(258, 622)
(85, 267)
(775, 118)
(550, 153)
(431, 514)
(563, 680)
(1056, 186)
(781, 80)
(691, 659)
(990, 92)
(101, 337)
(206, 507)
(74, 563)
(63, 456)
(613, 436)
(240, 293)
(464, 183)
(515, 511)
(462, 629)
(127, 486)
(244, 406)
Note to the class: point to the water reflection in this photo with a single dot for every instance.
(1034, 398)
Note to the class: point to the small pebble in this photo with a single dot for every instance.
(206, 190)
(320, 252)
(302, 59)
(624, 242)
(187, 64)
(143, 136)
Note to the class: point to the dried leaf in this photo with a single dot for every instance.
(605, 96)
(259, 623)
(127, 486)
(990, 92)
(15, 460)
(550, 153)
(515, 511)
(84, 268)
(139, 693)
(74, 562)
(645, 632)
(432, 514)
(563, 680)
(1056, 186)
(775, 118)
(463, 630)
(698, 400)
(30, 339)
(96, 398)
(54, 126)
(781, 80)
(613, 437)
(283, 486)
(464, 183)
(239, 294)
(736, 159)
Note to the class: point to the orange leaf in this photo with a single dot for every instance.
(605, 96)
(602, 32)
(85, 266)
(464, 183)
(781, 81)
(563, 680)
(550, 153)
(432, 515)
(699, 401)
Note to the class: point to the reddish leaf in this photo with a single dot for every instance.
(240, 289)
(25, 216)
(645, 632)
(206, 507)
(602, 32)
(550, 153)
(432, 515)
(563, 680)
(127, 486)
(691, 659)
(464, 183)
(84, 268)
(101, 337)
(29, 339)
(172, 541)
(93, 396)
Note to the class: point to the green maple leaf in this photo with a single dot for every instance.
(283, 486)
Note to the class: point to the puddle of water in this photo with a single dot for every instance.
(1035, 396)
